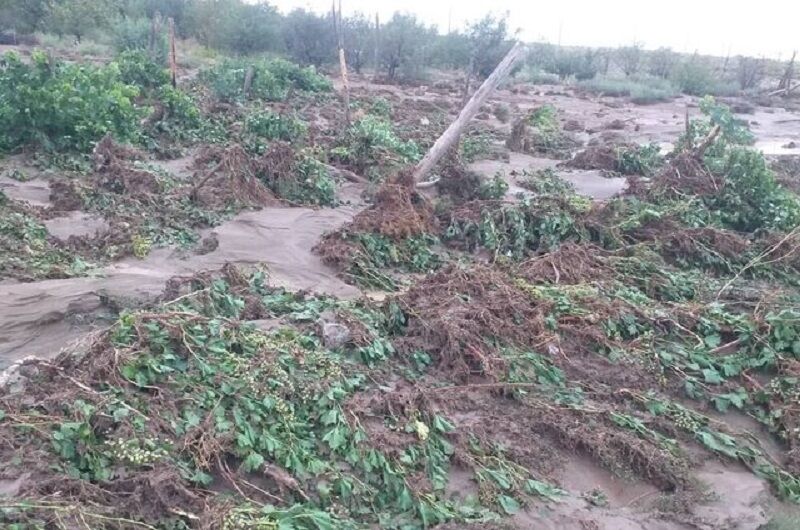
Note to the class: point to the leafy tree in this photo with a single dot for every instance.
(234, 26)
(309, 38)
(630, 58)
(451, 51)
(78, 17)
(580, 64)
(488, 39)
(750, 72)
(405, 41)
(359, 40)
(23, 16)
(661, 62)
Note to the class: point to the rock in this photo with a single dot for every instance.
(335, 335)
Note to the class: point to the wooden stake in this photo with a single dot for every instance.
(450, 137)
(173, 60)
(248, 80)
(376, 57)
(337, 25)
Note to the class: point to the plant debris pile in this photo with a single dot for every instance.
(624, 158)
(397, 230)
(230, 175)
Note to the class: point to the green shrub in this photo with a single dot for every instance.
(536, 75)
(493, 189)
(137, 68)
(697, 79)
(181, 109)
(381, 107)
(272, 80)
(272, 126)
(371, 143)
(313, 185)
(546, 182)
(63, 106)
(474, 145)
(752, 198)
(641, 160)
(131, 33)
(641, 89)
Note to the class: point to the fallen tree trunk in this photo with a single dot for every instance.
(450, 137)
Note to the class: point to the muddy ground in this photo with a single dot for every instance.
(40, 318)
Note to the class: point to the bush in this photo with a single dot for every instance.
(641, 160)
(752, 198)
(579, 64)
(272, 126)
(134, 34)
(63, 106)
(137, 68)
(536, 75)
(371, 142)
(641, 89)
(697, 79)
(272, 80)
(314, 184)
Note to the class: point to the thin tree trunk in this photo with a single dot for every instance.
(450, 137)
(173, 58)
(786, 80)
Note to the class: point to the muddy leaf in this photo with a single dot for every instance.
(509, 504)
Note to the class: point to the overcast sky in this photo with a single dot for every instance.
(766, 27)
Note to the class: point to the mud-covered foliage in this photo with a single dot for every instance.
(627, 159)
(275, 422)
(26, 248)
(539, 132)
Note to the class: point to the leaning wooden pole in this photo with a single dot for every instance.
(450, 137)
(173, 58)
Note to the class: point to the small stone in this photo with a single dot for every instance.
(335, 335)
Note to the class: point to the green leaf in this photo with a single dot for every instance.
(713, 340)
(509, 504)
(253, 462)
(712, 376)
